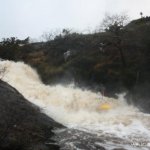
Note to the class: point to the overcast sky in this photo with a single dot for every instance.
(22, 18)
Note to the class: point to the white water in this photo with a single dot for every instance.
(77, 108)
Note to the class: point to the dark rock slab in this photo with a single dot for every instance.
(22, 125)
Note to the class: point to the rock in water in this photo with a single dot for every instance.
(22, 125)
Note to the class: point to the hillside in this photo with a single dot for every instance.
(115, 59)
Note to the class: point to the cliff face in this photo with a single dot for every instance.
(22, 125)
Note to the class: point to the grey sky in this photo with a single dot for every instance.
(22, 18)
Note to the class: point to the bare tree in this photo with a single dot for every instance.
(50, 35)
(47, 36)
(114, 25)
(119, 20)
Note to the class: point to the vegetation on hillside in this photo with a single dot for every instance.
(116, 57)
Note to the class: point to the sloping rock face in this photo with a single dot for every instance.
(22, 125)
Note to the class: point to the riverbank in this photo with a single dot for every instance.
(22, 125)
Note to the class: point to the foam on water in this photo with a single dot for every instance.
(77, 108)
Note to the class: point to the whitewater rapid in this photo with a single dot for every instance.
(80, 109)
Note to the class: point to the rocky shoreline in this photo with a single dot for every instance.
(22, 125)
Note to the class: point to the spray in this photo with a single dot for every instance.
(77, 108)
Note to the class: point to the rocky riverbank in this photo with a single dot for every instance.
(22, 125)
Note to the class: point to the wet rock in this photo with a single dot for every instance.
(22, 125)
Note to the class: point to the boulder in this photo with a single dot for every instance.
(22, 125)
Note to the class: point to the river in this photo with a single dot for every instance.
(89, 126)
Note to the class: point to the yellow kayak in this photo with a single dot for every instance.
(105, 106)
